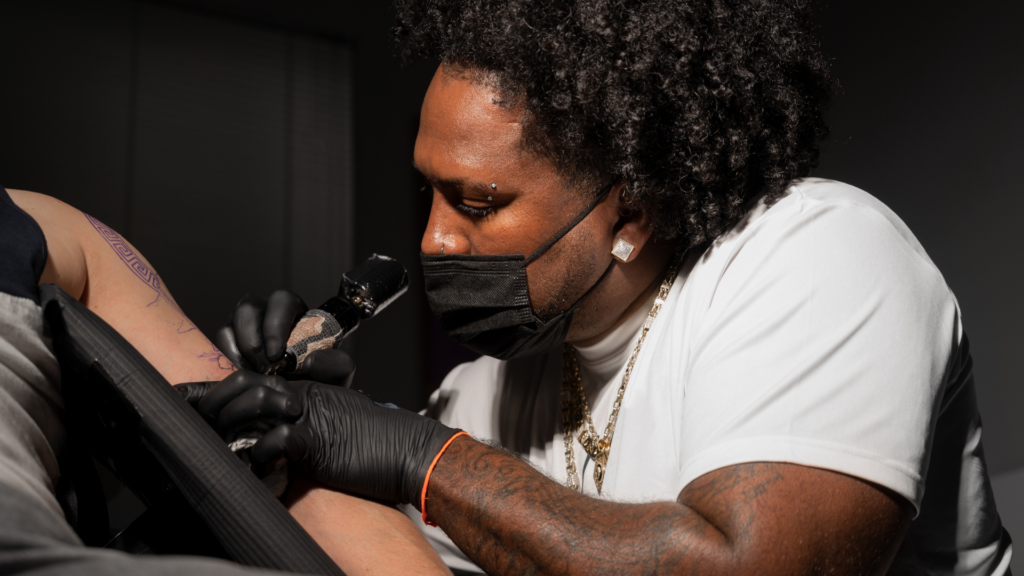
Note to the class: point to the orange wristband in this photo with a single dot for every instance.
(426, 481)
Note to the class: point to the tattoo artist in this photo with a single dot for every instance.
(695, 358)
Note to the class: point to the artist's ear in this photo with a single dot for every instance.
(633, 228)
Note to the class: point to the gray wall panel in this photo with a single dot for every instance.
(387, 100)
(1009, 490)
(322, 177)
(209, 185)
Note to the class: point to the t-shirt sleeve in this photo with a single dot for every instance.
(22, 251)
(826, 344)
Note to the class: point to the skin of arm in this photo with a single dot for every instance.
(94, 264)
(744, 519)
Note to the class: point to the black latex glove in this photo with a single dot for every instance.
(193, 392)
(256, 334)
(335, 435)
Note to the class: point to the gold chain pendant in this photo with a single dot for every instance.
(599, 464)
(576, 412)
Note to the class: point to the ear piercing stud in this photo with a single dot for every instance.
(622, 250)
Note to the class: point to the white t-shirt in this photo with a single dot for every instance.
(816, 332)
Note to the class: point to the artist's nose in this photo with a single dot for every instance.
(443, 234)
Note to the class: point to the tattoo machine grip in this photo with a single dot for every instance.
(365, 291)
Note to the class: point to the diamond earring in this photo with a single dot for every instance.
(622, 250)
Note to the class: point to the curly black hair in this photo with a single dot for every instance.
(696, 105)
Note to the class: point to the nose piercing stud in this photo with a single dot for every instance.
(622, 250)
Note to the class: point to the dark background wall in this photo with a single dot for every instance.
(194, 129)
(389, 351)
(928, 119)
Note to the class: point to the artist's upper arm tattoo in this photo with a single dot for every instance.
(500, 500)
(727, 497)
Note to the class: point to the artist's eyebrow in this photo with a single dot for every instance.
(459, 184)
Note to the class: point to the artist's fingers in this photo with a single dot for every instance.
(284, 308)
(224, 339)
(232, 387)
(257, 406)
(330, 366)
(285, 441)
(247, 321)
(192, 392)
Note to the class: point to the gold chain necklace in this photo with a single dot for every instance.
(576, 412)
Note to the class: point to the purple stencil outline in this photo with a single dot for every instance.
(147, 275)
(215, 356)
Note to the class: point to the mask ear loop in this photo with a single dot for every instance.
(570, 226)
(592, 288)
(569, 312)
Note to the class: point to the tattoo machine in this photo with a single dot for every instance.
(365, 291)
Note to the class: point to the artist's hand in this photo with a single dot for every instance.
(256, 334)
(338, 436)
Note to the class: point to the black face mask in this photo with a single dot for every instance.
(484, 304)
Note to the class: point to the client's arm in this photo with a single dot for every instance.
(94, 264)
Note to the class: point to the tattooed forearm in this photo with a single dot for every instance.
(512, 520)
(764, 518)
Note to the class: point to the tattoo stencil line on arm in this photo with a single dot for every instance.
(138, 267)
(218, 358)
(150, 278)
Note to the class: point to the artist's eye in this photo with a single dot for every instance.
(474, 211)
